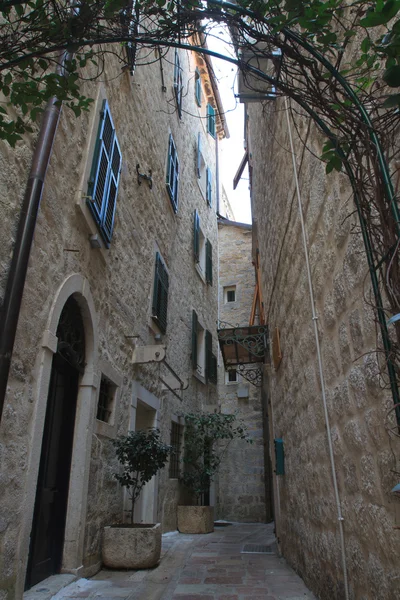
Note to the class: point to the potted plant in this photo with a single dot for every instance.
(135, 546)
(207, 437)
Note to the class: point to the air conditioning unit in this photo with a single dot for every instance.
(252, 87)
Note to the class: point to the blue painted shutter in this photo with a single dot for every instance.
(105, 173)
(197, 87)
(211, 120)
(178, 83)
(209, 187)
(196, 236)
(198, 156)
(209, 274)
(173, 173)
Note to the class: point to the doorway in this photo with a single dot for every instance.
(48, 527)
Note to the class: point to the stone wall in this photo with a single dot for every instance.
(241, 490)
(365, 454)
(120, 282)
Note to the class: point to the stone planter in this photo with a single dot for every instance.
(131, 546)
(195, 519)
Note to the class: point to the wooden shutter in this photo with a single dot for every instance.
(105, 173)
(209, 274)
(172, 179)
(194, 339)
(160, 294)
(196, 236)
(209, 187)
(199, 156)
(208, 354)
(211, 120)
(178, 83)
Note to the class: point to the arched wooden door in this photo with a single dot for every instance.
(48, 527)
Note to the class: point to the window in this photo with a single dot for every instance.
(197, 86)
(130, 25)
(104, 176)
(230, 294)
(211, 120)
(160, 294)
(209, 187)
(231, 376)
(204, 362)
(202, 249)
(106, 400)
(173, 173)
(176, 443)
(178, 87)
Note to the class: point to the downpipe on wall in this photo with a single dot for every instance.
(320, 366)
(24, 237)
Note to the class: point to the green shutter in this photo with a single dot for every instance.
(209, 187)
(194, 340)
(196, 236)
(209, 269)
(213, 374)
(211, 120)
(160, 294)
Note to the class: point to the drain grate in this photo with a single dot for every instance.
(257, 549)
(221, 524)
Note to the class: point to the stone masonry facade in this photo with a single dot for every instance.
(365, 453)
(114, 288)
(241, 489)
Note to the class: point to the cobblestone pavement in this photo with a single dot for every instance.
(203, 567)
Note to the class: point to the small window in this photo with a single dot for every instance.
(204, 362)
(230, 294)
(209, 187)
(176, 443)
(178, 86)
(173, 174)
(160, 295)
(104, 176)
(197, 87)
(211, 120)
(231, 376)
(106, 400)
(202, 251)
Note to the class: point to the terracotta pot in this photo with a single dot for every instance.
(131, 546)
(195, 519)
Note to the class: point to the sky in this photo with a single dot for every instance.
(232, 149)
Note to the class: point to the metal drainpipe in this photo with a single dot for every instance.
(217, 172)
(25, 232)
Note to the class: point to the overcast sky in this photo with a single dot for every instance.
(231, 150)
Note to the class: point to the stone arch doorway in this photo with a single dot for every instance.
(50, 512)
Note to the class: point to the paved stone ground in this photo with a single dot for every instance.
(203, 567)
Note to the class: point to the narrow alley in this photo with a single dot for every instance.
(224, 565)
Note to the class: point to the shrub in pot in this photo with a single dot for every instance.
(207, 438)
(136, 546)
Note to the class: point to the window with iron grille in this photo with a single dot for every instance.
(173, 173)
(176, 443)
(160, 294)
(197, 87)
(178, 86)
(231, 376)
(211, 120)
(106, 400)
(104, 176)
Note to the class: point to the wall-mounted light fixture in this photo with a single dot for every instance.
(141, 176)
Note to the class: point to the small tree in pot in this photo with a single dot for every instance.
(136, 546)
(207, 438)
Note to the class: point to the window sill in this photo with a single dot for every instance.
(200, 273)
(108, 430)
(199, 377)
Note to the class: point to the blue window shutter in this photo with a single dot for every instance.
(197, 87)
(211, 120)
(105, 174)
(209, 273)
(178, 86)
(198, 155)
(173, 173)
(209, 187)
(196, 236)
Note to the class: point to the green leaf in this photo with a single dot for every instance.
(391, 76)
(391, 101)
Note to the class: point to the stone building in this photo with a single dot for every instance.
(360, 411)
(122, 271)
(241, 489)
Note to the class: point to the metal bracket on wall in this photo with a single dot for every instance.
(251, 374)
(141, 176)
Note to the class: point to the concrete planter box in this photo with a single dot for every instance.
(195, 519)
(131, 546)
